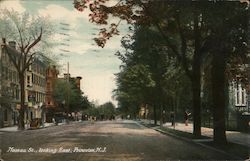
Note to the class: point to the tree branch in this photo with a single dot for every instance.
(38, 39)
(183, 47)
(29, 61)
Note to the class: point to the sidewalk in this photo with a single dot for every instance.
(14, 128)
(232, 136)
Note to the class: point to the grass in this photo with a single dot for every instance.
(230, 148)
(182, 133)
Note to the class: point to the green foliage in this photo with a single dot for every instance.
(106, 110)
(102, 112)
(67, 94)
(150, 74)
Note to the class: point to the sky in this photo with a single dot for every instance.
(94, 64)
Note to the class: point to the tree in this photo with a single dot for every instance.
(106, 110)
(147, 48)
(68, 93)
(32, 35)
(166, 16)
(186, 30)
(228, 49)
(133, 85)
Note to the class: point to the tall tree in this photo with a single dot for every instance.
(133, 85)
(67, 91)
(229, 51)
(146, 49)
(184, 27)
(174, 20)
(31, 35)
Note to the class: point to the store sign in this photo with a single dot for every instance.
(18, 106)
(29, 104)
(241, 108)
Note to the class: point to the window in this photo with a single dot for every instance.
(32, 78)
(237, 97)
(6, 74)
(5, 115)
(17, 94)
(243, 97)
(31, 115)
(14, 76)
(3, 72)
(28, 80)
(10, 75)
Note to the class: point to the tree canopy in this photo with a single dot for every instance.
(192, 32)
(66, 93)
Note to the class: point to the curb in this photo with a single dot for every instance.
(192, 141)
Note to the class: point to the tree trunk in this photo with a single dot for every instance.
(196, 90)
(196, 76)
(155, 119)
(161, 115)
(1, 117)
(22, 108)
(218, 92)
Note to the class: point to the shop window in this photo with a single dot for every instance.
(5, 115)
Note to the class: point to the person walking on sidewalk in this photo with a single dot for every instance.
(186, 114)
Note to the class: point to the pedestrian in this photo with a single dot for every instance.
(172, 117)
(186, 114)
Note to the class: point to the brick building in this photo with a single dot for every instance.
(50, 104)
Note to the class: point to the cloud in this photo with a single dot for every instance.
(96, 65)
(14, 4)
(61, 13)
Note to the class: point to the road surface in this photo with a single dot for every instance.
(99, 141)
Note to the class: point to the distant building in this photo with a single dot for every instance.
(50, 104)
(144, 111)
(242, 93)
(77, 79)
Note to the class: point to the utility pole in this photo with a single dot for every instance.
(1, 108)
(68, 85)
(67, 92)
(64, 32)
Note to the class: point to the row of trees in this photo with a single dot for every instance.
(69, 97)
(105, 111)
(150, 76)
(187, 37)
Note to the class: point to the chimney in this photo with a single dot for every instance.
(12, 44)
(4, 40)
(78, 82)
(66, 75)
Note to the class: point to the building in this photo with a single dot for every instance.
(239, 110)
(144, 111)
(77, 80)
(241, 90)
(9, 89)
(50, 104)
(10, 92)
(35, 86)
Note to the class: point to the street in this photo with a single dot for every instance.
(107, 140)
